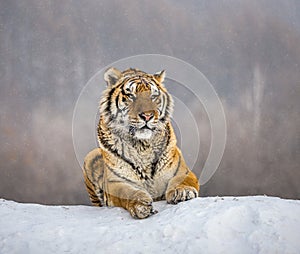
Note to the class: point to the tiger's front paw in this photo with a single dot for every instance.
(140, 206)
(181, 193)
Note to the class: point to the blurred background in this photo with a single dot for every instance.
(249, 50)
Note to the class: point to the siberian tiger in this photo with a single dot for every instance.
(137, 161)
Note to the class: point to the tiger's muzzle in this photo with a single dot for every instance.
(144, 115)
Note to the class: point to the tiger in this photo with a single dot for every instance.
(137, 161)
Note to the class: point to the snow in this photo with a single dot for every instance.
(256, 224)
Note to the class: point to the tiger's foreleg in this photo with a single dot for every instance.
(136, 200)
(184, 186)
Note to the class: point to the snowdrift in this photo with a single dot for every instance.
(256, 224)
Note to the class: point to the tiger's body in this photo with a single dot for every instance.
(137, 161)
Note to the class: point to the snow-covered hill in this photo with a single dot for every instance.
(205, 225)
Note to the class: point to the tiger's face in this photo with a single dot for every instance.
(136, 103)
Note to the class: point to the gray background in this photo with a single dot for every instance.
(249, 50)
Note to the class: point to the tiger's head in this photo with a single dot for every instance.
(135, 103)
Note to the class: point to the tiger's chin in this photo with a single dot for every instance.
(143, 134)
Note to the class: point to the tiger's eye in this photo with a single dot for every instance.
(131, 97)
(153, 97)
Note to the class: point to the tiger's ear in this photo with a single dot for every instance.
(160, 76)
(112, 75)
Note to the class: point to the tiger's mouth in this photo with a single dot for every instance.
(145, 127)
(144, 132)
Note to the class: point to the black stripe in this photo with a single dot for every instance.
(93, 196)
(123, 148)
(168, 105)
(115, 152)
(117, 102)
(130, 163)
(95, 160)
(121, 156)
(118, 175)
(164, 146)
(163, 106)
(99, 176)
(156, 82)
(148, 84)
(108, 106)
(168, 134)
(131, 183)
(89, 188)
(153, 167)
(123, 92)
(96, 203)
(156, 159)
(131, 83)
(91, 183)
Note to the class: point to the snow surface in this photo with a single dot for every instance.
(255, 224)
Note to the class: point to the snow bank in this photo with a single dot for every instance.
(204, 225)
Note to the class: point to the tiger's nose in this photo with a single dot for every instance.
(146, 116)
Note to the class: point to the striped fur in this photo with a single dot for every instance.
(137, 161)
